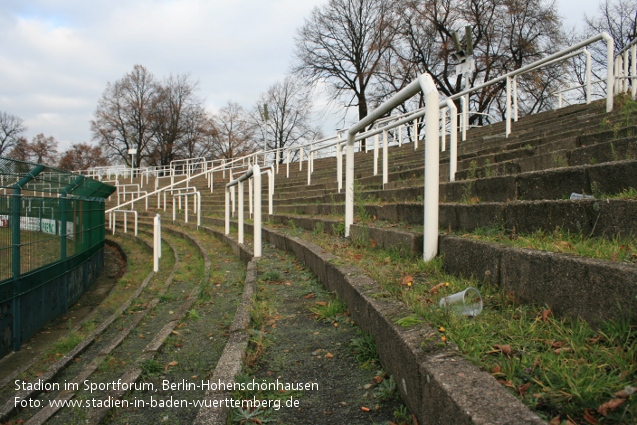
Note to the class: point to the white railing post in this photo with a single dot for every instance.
(349, 181)
(625, 74)
(339, 166)
(385, 159)
(276, 158)
(198, 209)
(465, 105)
(588, 76)
(515, 98)
(633, 72)
(301, 159)
(400, 136)
(256, 175)
(443, 131)
(610, 78)
(240, 213)
(453, 139)
(508, 107)
(250, 200)
(375, 154)
(309, 168)
(432, 158)
(227, 211)
(271, 177)
(287, 173)
(157, 242)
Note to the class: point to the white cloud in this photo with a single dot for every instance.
(56, 56)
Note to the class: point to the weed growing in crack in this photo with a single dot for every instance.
(364, 349)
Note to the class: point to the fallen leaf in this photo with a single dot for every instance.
(610, 405)
(563, 350)
(435, 289)
(590, 418)
(335, 325)
(545, 315)
(507, 383)
(407, 280)
(365, 409)
(322, 303)
(555, 421)
(308, 296)
(504, 348)
(378, 379)
(626, 392)
(329, 355)
(178, 345)
(614, 257)
(373, 218)
(174, 332)
(414, 419)
(373, 243)
(496, 369)
(142, 336)
(173, 363)
(441, 329)
(522, 389)
(557, 344)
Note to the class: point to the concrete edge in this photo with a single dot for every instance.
(438, 385)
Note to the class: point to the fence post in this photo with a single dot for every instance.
(432, 159)
(256, 175)
(15, 267)
(157, 244)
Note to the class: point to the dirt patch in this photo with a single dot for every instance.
(301, 346)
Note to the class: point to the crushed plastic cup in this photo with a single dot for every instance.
(580, 196)
(465, 303)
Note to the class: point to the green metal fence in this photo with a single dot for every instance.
(51, 228)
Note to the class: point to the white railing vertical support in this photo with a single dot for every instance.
(309, 168)
(385, 159)
(276, 159)
(443, 130)
(349, 181)
(432, 165)
(198, 209)
(514, 82)
(157, 242)
(453, 139)
(301, 159)
(508, 107)
(625, 74)
(415, 135)
(240, 213)
(339, 166)
(287, 173)
(465, 105)
(250, 199)
(256, 173)
(588, 76)
(227, 211)
(610, 78)
(174, 210)
(633, 72)
(271, 178)
(376, 154)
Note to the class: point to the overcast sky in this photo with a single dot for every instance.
(56, 56)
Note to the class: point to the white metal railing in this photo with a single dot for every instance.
(197, 204)
(254, 173)
(156, 242)
(112, 219)
(431, 114)
(625, 69)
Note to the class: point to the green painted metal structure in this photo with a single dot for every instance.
(51, 244)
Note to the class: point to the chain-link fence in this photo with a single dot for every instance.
(51, 227)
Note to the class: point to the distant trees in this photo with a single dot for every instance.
(41, 150)
(11, 129)
(82, 156)
(290, 115)
(342, 45)
(234, 133)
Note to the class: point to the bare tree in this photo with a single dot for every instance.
(177, 122)
(507, 34)
(82, 156)
(11, 128)
(43, 150)
(125, 114)
(616, 17)
(21, 150)
(342, 45)
(290, 113)
(234, 133)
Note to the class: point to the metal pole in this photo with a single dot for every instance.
(432, 165)
(508, 108)
(339, 166)
(376, 154)
(385, 159)
(240, 214)
(453, 139)
(227, 211)
(257, 210)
